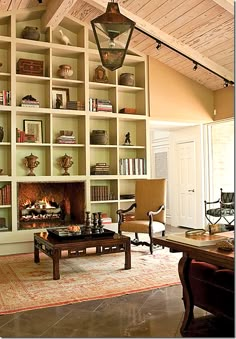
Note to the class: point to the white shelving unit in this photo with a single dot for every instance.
(84, 58)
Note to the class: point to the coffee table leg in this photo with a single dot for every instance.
(36, 254)
(127, 256)
(55, 260)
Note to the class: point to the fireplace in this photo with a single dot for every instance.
(51, 204)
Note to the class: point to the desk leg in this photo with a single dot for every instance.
(127, 256)
(55, 260)
(36, 253)
(183, 268)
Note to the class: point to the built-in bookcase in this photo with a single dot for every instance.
(78, 89)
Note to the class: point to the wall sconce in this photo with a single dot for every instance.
(112, 32)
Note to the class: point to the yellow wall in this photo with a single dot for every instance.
(174, 97)
(224, 103)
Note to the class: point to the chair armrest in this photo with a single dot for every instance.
(120, 211)
(151, 213)
(211, 202)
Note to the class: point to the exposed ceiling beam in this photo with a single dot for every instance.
(228, 5)
(56, 10)
(155, 32)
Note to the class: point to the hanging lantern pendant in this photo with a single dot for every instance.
(112, 32)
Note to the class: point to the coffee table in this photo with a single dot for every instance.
(53, 246)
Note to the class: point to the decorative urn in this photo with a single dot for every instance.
(31, 162)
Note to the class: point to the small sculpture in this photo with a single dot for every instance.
(100, 75)
(65, 71)
(127, 139)
(66, 162)
(31, 33)
(31, 162)
(65, 38)
(58, 101)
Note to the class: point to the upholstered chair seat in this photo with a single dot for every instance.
(149, 211)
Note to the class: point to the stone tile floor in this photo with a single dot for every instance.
(150, 314)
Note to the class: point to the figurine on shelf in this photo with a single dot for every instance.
(127, 139)
(100, 75)
(58, 101)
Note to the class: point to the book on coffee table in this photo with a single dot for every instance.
(196, 240)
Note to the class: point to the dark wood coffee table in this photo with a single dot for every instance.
(52, 247)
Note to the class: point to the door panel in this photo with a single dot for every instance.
(186, 183)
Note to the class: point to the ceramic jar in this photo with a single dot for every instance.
(65, 71)
(31, 33)
(127, 79)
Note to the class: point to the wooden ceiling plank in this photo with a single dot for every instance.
(56, 10)
(169, 40)
(228, 5)
(198, 21)
(185, 21)
(217, 28)
(177, 13)
(14, 5)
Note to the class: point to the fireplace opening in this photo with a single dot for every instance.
(51, 204)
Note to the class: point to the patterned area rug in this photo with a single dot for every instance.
(25, 285)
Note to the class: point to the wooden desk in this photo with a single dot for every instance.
(208, 254)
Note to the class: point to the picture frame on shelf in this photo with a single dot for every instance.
(35, 128)
(60, 97)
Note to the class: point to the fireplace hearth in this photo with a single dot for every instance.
(51, 204)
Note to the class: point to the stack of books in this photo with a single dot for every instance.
(100, 168)
(66, 139)
(29, 103)
(99, 105)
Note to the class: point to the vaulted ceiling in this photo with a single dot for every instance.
(201, 30)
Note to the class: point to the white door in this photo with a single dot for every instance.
(186, 178)
(186, 170)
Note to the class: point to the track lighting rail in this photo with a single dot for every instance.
(196, 63)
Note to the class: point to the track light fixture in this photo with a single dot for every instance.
(158, 46)
(226, 83)
(195, 66)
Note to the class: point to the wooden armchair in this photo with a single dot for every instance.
(150, 212)
(223, 208)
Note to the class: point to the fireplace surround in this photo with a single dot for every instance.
(50, 204)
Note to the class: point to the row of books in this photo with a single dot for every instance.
(5, 195)
(21, 136)
(100, 168)
(132, 166)
(5, 97)
(99, 193)
(76, 105)
(99, 105)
